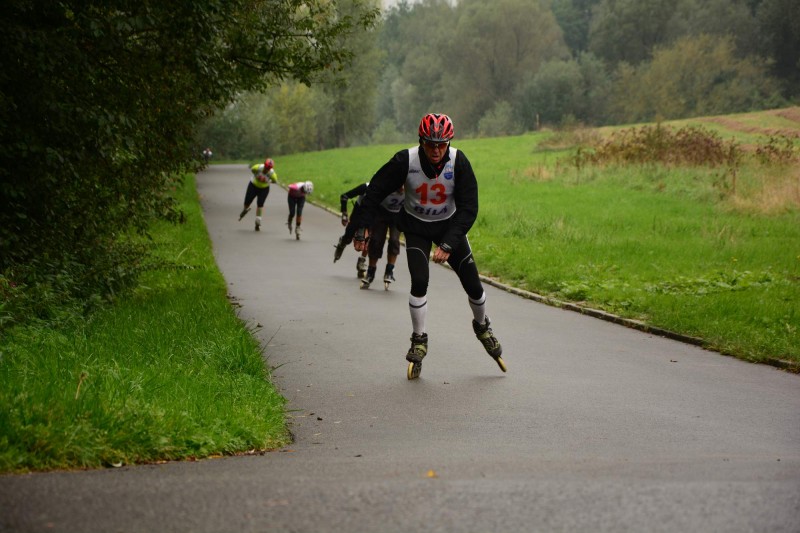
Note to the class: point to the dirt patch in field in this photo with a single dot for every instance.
(791, 113)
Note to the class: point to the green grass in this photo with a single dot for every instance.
(167, 373)
(684, 249)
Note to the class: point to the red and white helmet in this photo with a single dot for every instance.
(269, 164)
(436, 128)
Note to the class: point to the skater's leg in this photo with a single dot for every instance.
(392, 251)
(478, 308)
(462, 262)
(418, 308)
(370, 277)
(388, 273)
(361, 265)
(262, 197)
(300, 203)
(292, 209)
(417, 251)
(249, 195)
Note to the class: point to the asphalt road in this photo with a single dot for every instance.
(595, 427)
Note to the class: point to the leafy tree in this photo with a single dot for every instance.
(697, 76)
(427, 33)
(779, 25)
(551, 94)
(595, 90)
(100, 101)
(628, 30)
(574, 17)
(387, 133)
(295, 122)
(500, 120)
(724, 18)
(495, 45)
(350, 89)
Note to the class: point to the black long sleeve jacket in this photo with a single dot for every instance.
(392, 175)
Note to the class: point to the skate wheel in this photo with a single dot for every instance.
(386, 285)
(413, 370)
(501, 364)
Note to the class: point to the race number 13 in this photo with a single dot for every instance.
(435, 194)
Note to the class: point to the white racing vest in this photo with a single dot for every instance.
(426, 199)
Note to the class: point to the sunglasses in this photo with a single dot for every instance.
(433, 145)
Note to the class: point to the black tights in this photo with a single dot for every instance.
(418, 249)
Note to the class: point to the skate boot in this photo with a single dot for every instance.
(244, 212)
(339, 250)
(361, 267)
(258, 223)
(289, 223)
(366, 281)
(297, 231)
(490, 342)
(418, 350)
(388, 279)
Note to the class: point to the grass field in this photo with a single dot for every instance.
(167, 373)
(691, 249)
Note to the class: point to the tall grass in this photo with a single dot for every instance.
(711, 251)
(167, 373)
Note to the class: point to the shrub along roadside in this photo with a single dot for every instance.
(169, 372)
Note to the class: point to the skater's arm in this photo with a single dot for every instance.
(466, 197)
(349, 195)
(388, 179)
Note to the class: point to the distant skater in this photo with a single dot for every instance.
(297, 199)
(258, 188)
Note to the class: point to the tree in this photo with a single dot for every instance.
(574, 17)
(500, 120)
(779, 25)
(696, 76)
(551, 94)
(100, 101)
(350, 89)
(495, 45)
(628, 30)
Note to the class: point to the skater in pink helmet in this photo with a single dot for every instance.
(441, 204)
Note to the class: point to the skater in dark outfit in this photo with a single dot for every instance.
(384, 222)
(350, 230)
(441, 204)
